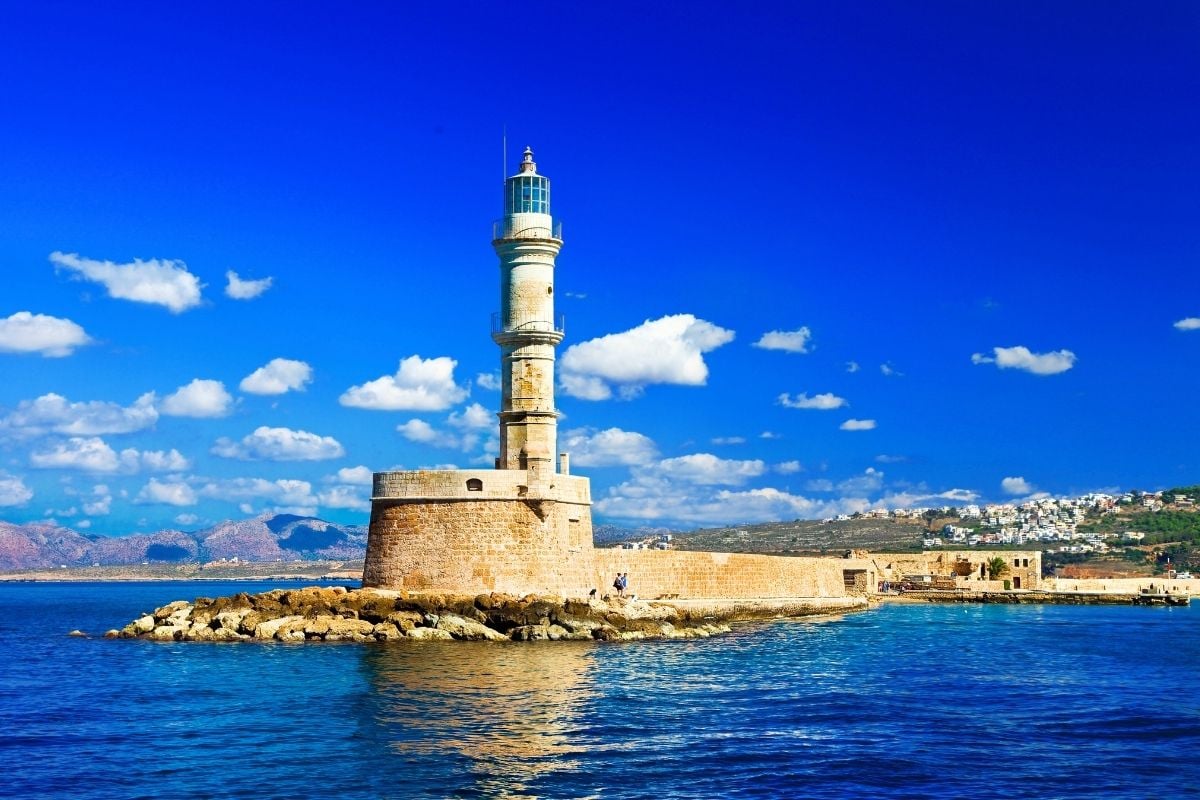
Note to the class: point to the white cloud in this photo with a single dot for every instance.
(165, 461)
(186, 519)
(889, 371)
(53, 413)
(821, 402)
(722, 440)
(13, 491)
(93, 454)
(418, 385)
(171, 493)
(870, 481)
(858, 425)
(612, 447)
(705, 469)
(1019, 357)
(960, 495)
(84, 524)
(852, 366)
(886, 459)
(351, 497)
(1188, 324)
(788, 341)
(489, 381)
(351, 476)
(279, 444)
(421, 432)
(200, 398)
(769, 435)
(1017, 485)
(48, 336)
(818, 485)
(101, 502)
(240, 289)
(789, 467)
(162, 282)
(473, 417)
(667, 350)
(283, 493)
(278, 376)
(90, 454)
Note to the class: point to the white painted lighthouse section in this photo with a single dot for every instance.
(527, 245)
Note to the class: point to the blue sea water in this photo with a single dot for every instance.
(913, 701)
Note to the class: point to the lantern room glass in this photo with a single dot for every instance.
(525, 194)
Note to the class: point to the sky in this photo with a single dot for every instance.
(818, 257)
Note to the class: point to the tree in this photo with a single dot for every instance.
(997, 566)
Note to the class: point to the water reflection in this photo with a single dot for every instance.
(481, 718)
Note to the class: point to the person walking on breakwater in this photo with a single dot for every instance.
(619, 585)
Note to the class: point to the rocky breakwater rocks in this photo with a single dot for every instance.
(367, 615)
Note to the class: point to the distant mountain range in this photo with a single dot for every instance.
(284, 537)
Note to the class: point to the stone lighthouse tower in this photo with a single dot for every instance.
(524, 526)
(527, 242)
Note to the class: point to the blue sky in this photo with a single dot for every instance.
(971, 228)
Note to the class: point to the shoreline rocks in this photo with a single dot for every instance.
(336, 614)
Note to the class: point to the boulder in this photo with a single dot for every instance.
(166, 633)
(344, 630)
(229, 620)
(405, 620)
(428, 633)
(143, 624)
(77, 633)
(469, 629)
(227, 635)
(530, 633)
(387, 632)
(171, 608)
(112, 634)
(200, 633)
(268, 629)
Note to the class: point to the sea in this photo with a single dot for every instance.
(903, 701)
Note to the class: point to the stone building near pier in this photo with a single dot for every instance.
(526, 526)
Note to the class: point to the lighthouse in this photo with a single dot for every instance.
(527, 241)
(523, 526)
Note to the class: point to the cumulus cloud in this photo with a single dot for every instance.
(50, 337)
(870, 481)
(100, 502)
(852, 366)
(90, 454)
(240, 289)
(1188, 324)
(53, 413)
(170, 493)
(419, 385)
(473, 417)
(858, 425)
(960, 495)
(93, 454)
(164, 461)
(351, 476)
(294, 496)
(186, 519)
(769, 435)
(789, 467)
(278, 376)
(668, 350)
(421, 432)
(821, 402)
(1017, 485)
(200, 398)
(350, 497)
(705, 469)
(1022, 358)
(887, 370)
(796, 341)
(279, 444)
(489, 381)
(722, 440)
(607, 448)
(818, 485)
(13, 491)
(162, 282)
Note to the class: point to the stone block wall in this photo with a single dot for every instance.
(688, 574)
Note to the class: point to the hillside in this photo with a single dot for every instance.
(805, 536)
(262, 539)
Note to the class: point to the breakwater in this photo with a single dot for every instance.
(366, 615)
(1031, 597)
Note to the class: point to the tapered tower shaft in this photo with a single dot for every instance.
(527, 241)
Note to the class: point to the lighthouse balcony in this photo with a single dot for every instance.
(519, 226)
(529, 326)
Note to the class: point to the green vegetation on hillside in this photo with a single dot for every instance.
(1169, 495)
(1159, 526)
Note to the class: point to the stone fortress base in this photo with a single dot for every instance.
(518, 532)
